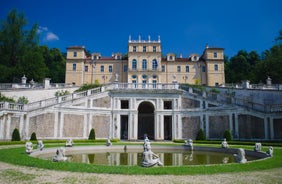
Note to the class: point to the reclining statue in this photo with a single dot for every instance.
(149, 158)
(60, 155)
(240, 156)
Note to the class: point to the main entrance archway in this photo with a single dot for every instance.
(146, 120)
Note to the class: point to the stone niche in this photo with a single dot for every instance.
(251, 127)
(190, 127)
(217, 126)
(42, 125)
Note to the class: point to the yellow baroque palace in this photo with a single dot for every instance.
(145, 64)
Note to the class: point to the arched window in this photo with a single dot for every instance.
(134, 64)
(144, 64)
(154, 64)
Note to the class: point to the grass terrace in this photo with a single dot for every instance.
(14, 153)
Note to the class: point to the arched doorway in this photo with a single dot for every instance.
(146, 120)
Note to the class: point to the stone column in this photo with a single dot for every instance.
(266, 136)
(56, 122)
(179, 128)
(271, 128)
(21, 125)
(202, 122)
(236, 128)
(85, 122)
(230, 115)
(61, 128)
(27, 127)
(8, 126)
(89, 124)
(2, 123)
(207, 125)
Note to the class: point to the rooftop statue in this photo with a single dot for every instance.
(60, 155)
(149, 158)
(28, 147)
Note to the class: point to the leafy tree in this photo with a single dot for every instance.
(62, 93)
(3, 98)
(92, 134)
(33, 137)
(23, 100)
(227, 135)
(16, 135)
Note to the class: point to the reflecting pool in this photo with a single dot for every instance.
(169, 158)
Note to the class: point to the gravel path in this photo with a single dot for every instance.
(12, 174)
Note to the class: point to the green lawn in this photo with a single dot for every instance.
(17, 156)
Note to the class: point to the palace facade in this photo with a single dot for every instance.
(144, 64)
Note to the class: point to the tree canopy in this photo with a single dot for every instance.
(20, 53)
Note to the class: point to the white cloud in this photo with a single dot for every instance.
(46, 34)
(51, 37)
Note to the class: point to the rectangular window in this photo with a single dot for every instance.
(102, 68)
(215, 54)
(163, 68)
(86, 68)
(203, 69)
(154, 84)
(124, 104)
(110, 68)
(144, 82)
(178, 68)
(74, 67)
(134, 48)
(187, 69)
(133, 83)
(154, 49)
(125, 68)
(144, 48)
(74, 54)
(216, 67)
(167, 104)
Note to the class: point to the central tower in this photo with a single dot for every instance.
(144, 61)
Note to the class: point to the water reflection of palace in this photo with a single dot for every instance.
(169, 159)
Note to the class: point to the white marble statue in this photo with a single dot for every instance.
(189, 142)
(69, 143)
(240, 156)
(60, 155)
(257, 147)
(40, 145)
(28, 147)
(224, 144)
(109, 143)
(149, 158)
(269, 152)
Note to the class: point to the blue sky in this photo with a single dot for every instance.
(185, 26)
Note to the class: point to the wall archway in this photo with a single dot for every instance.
(146, 120)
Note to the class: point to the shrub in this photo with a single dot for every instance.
(227, 135)
(23, 100)
(92, 134)
(201, 135)
(88, 86)
(33, 137)
(16, 135)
